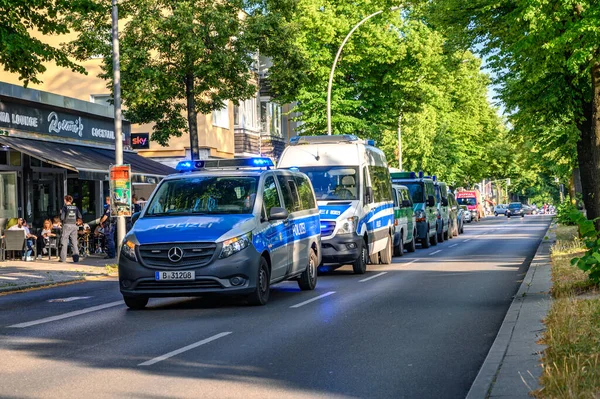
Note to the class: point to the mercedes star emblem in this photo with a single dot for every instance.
(175, 254)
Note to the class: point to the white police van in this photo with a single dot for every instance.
(354, 192)
(233, 226)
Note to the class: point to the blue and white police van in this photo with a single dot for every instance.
(354, 193)
(233, 226)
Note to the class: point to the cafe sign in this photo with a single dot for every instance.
(58, 122)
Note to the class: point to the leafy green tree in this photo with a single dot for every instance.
(24, 54)
(179, 58)
(547, 58)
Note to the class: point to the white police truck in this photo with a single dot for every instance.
(354, 193)
(233, 226)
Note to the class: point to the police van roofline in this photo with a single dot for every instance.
(333, 139)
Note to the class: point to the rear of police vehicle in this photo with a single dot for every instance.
(231, 227)
(354, 192)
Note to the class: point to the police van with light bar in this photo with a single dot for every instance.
(422, 192)
(232, 226)
(354, 192)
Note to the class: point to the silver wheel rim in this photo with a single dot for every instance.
(262, 280)
(311, 269)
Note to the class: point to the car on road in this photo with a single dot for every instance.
(467, 215)
(528, 210)
(461, 219)
(454, 228)
(443, 225)
(405, 225)
(352, 183)
(224, 227)
(500, 209)
(515, 209)
(422, 193)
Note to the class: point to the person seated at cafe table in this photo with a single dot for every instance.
(43, 240)
(84, 228)
(30, 238)
(56, 223)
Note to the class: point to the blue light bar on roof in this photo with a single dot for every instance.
(189, 166)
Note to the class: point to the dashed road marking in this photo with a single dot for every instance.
(453, 245)
(67, 315)
(436, 252)
(70, 299)
(372, 277)
(411, 262)
(184, 349)
(312, 300)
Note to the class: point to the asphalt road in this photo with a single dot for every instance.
(419, 328)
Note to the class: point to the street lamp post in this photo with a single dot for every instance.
(118, 113)
(335, 61)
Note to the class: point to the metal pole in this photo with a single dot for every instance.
(335, 61)
(118, 114)
(400, 141)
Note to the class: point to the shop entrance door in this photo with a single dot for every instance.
(8, 194)
(47, 189)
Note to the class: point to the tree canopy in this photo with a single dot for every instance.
(23, 53)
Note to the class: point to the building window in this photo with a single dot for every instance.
(270, 118)
(220, 118)
(103, 99)
(245, 115)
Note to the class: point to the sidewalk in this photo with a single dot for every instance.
(512, 367)
(19, 275)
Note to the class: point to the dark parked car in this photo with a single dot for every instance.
(515, 209)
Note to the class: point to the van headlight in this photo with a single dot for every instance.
(347, 226)
(128, 249)
(235, 245)
(420, 216)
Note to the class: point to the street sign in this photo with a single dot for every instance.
(120, 190)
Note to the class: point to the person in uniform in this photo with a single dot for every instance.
(69, 215)
(109, 231)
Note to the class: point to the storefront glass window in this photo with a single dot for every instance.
(15, 158)
(8, 195)
(84, 196)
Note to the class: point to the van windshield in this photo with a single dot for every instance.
(204, 195)
(466, 201)
(333, 182)
(416, 191)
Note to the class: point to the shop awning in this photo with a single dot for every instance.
(84, 159)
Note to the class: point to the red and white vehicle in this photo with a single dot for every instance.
(472, 199)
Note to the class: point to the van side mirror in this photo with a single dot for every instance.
(135, 217)
(369, 195)
(405, 204)
(278, 213)
(431, 200)
(444, 201)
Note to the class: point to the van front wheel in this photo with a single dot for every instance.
(260, 296)
(386, 254)
(360, 265)
(308, 279)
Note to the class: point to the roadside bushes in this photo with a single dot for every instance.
(590, 261)
(563, 213)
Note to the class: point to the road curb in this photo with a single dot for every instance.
(484, 382)
(51, 284)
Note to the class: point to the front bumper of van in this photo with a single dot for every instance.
(235, 275)
(342, 248)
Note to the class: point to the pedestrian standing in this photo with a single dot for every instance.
(109, 231)
(69, 215)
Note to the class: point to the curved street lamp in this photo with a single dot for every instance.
(335, 61)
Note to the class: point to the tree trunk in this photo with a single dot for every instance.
(192, 117)
(588, 150)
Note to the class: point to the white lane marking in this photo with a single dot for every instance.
(452, 246)
(8, 278)
(411, 262)
(25, 275)
(67, 315)
(372, 277)
(184, 349)
(70, 299)
(436, 252)
(467, 240)
(312, 300)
